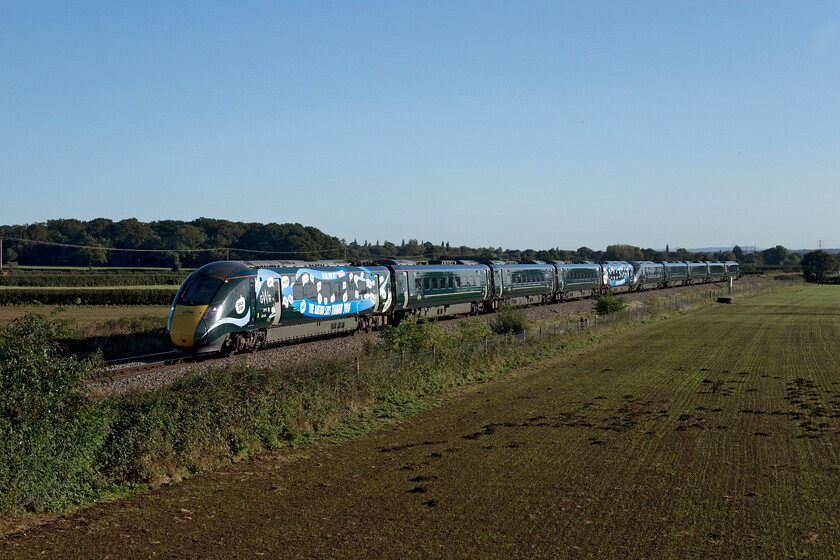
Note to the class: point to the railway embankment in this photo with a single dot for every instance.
(59, 447)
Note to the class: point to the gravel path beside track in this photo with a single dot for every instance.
(300, 354)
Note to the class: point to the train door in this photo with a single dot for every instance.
(383, 291)
(252, 297)
(497, 283)
(400, 289)
(278, 305)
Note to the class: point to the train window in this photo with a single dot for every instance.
(418, 284)
(451, 282)
(458, 281)
(434, 283)
(427, 284)
(200, 291)
(309, 291)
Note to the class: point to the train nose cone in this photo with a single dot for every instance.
(185, 321)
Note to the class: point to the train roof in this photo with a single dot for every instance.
(399, 262)
(295, 264)
(454, 261)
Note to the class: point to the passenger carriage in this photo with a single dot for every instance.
(676, 274)
(578, 280)
(522, 284)
(439, 290)
(698, 272)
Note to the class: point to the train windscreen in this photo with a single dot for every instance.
(199, 291)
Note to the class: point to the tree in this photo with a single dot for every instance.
(91, 254)
(817, 265)
(585, 253)
(775, 255)
(623, 253)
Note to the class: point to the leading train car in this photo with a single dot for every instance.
(230, 306)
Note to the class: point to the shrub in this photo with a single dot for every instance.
(471, 331)
(609, 303)
(50, 435)
(509, 320)
(411, 336)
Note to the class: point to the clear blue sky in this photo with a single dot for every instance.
(513, 124)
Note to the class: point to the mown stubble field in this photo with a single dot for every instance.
(712, 434)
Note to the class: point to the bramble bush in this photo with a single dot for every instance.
(609, 303)
(509, 320)
(411, 336)
(49, 432)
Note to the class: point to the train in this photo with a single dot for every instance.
(230, 306)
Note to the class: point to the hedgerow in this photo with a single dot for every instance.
(80, 279)
(92, 296)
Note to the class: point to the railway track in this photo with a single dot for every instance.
(132, 366)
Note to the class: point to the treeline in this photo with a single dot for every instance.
(418, 250)
(164, 243)
(175, 244)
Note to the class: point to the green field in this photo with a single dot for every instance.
(88, 318)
